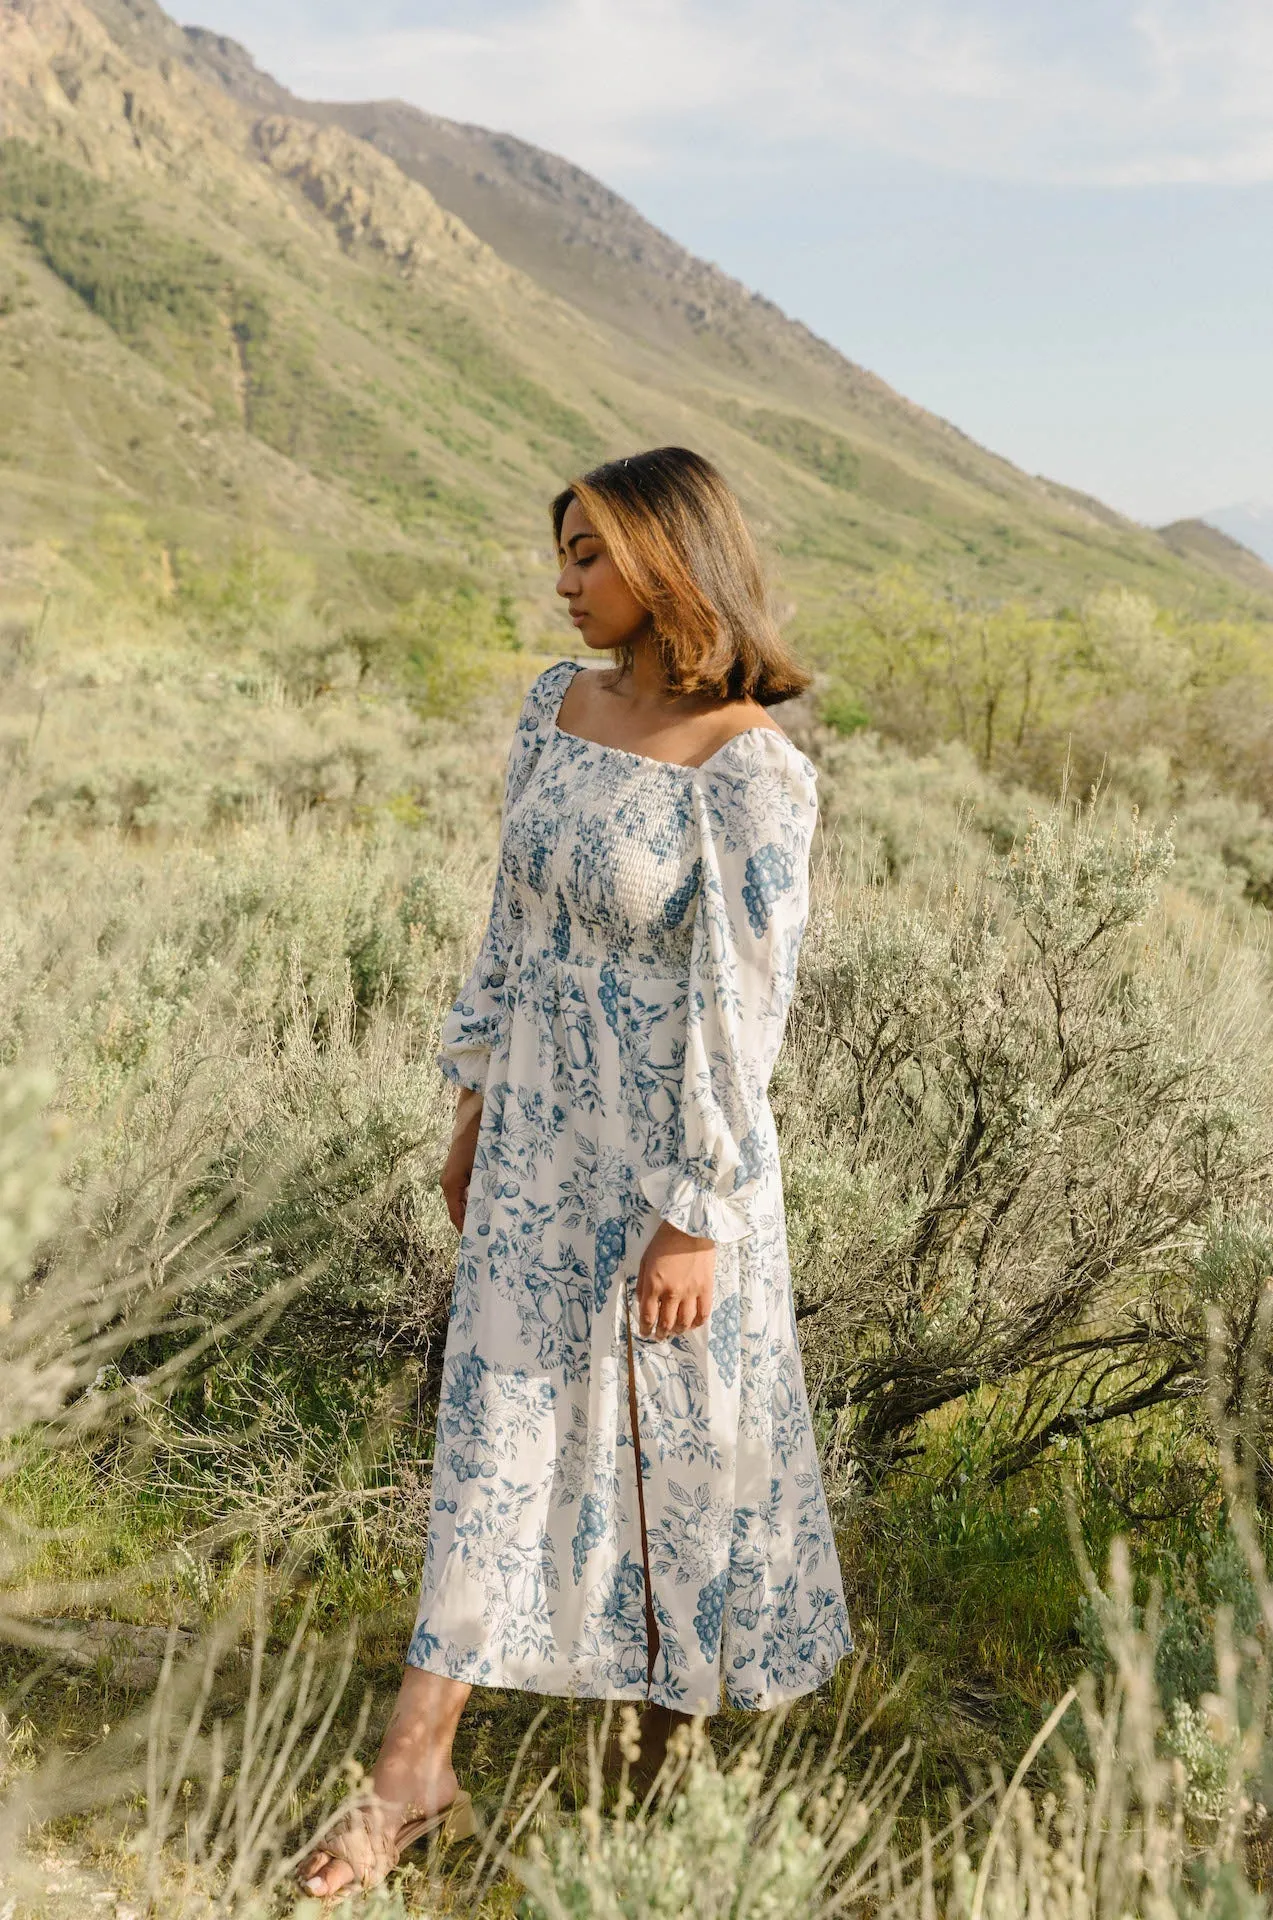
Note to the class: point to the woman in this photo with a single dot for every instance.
(626, 1496)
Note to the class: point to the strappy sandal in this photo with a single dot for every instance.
(455, 1822)
(372, 1855)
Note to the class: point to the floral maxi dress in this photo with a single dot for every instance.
(622, 1019)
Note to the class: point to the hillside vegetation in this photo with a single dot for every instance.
(1026, 1118)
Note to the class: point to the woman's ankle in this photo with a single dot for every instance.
(426, 1784)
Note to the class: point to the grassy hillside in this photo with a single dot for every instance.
(1198, 541)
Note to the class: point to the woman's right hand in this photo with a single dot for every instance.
(457, 1168)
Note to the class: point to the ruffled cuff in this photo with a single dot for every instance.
(466, 1066)
(708, 1215)
(472, 1030)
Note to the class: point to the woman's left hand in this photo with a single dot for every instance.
(674, 1284)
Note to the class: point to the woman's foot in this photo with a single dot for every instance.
(413, 1776)
(363, 1850)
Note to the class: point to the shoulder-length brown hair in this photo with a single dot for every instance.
(677, 535)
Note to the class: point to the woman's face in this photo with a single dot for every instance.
(602, 605)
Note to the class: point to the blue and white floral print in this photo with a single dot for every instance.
(622, 1019)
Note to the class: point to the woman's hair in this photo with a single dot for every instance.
(676, 533)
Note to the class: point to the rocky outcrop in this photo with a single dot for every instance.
(367, 199)
(123, 101)
(64, 81)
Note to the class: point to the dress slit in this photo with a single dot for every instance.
(651, 1618)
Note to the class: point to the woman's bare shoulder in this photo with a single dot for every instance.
(741, 716)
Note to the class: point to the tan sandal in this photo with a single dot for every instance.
(372, 1855)
(455, 1822)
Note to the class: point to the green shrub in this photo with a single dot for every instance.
(137, 276)
(817, 449)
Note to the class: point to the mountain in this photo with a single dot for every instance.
(1250, 523)
(574, 235)
(1203, 540)
(371, 344)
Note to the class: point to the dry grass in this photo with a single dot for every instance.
(223, 1278)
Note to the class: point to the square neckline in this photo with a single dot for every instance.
(650, 759)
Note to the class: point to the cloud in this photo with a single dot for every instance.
(1096, 91)
(1210, 100)
(595, 78)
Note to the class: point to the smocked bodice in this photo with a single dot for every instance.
(602, 849)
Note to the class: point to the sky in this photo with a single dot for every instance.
(1050, 223)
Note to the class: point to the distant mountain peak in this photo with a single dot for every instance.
(1237, 559)
(1250, 523)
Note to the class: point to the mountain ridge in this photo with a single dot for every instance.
(460, 163)
(390, 124)
(600, 212)
(1250, 523)
(1201, 539)
(310, 303)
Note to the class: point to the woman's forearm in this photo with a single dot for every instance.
(468, 1108)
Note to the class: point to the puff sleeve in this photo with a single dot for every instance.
(755, 804)
(478, 1017)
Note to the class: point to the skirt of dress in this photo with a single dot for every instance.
(559, 1558)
